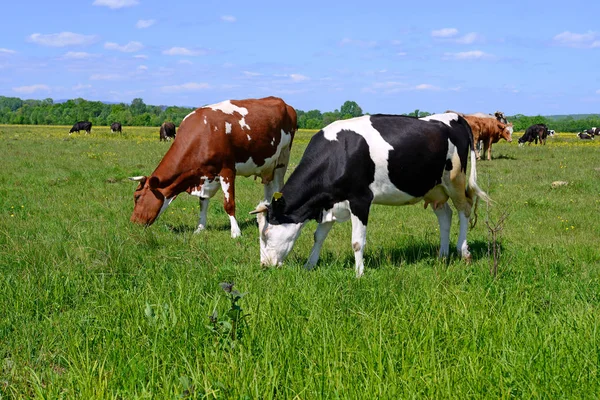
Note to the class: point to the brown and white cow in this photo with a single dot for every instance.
(214, 144)
(489, 131)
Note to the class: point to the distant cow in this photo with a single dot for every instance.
(498, 116)
(81, 126)
(375, 159)
(593, 132)
(489, 131)
(534, 133)
(551, 132)
(215, 144)
(584, 136)
(167, 131)
(115, 127)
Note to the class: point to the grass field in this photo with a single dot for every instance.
(92, 306)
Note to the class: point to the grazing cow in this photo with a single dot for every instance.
(115, 127)
(534, 133)
(551, 132)
(584, 136)
(489, 131)
(167, 131)
(81, 126)
(593, 131)
(374, 159)
(215, 144)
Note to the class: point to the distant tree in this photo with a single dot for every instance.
(138, 107)
(351, 109)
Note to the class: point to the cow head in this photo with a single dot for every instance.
(507, 132)
(277, 234)
(149, 200)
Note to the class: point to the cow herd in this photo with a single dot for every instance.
(347, 166)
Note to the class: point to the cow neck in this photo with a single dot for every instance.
(177, 171)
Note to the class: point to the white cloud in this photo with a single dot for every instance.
(105, 77)
(444, 33)
(358, 43)
(469, 38)
(130, 47)
(114, 4)
(142, 68)
(31, 89)
(228, 18)
(80, 86)
(142, 56)
(186, 62)
(186, 87)
(468, 55)
(587, 40)
(426, 86)
(7, 51)
(250, 73)
(62, 39)
(78, 55)
(401, 53)
(299, 78)
(182, 51)
(145, 23)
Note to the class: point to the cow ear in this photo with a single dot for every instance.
(153, 182)
(278, 203)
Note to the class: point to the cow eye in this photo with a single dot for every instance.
(136, 197)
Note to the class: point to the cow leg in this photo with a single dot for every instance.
(488, 149)
(276, 184)
(461, 245)
(228, 187)
(444, 216)
(203, 211)
(359, 240)
(320, 235)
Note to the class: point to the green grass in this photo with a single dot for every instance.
(93, 306)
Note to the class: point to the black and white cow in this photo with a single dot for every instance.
(81, 126)
(379, 159)
(593, 132)
(584, 136)
(116, 127)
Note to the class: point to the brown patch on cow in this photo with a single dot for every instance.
(356, 246)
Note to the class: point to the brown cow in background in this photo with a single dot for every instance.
(489, 131)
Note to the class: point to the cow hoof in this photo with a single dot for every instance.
(309, 266)
(199, 229)
(236, 234)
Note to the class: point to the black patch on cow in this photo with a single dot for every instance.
(418, 158)
(448, 165)
(329, 172)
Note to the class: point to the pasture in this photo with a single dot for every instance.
(93, 306)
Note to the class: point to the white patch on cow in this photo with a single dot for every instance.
(225, 184)
(208, 189)
(228, 108)
(445, 118)
(444, 216)
(359, 239)
(451, 150)
(249, 167)
(273, 142)
(165, 205)
(186, 117)
(276, 241)
(216, 128)
(384, 191)
(235, 229)
(249, 138)
(227, 128)
(340, 212)
(205, 121)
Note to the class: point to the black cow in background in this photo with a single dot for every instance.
(584, 136)
(167, 131)
(593, 132)
(534, 133)
(115, 127)
(81, 126)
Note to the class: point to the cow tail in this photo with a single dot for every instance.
(474, 191)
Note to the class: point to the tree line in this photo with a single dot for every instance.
(48, 112)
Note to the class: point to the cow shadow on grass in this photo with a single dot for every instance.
(504, 157)
(182, 229)
(404, 255)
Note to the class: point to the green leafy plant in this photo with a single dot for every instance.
(231, 325)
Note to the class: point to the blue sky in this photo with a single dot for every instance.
(528, 57)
